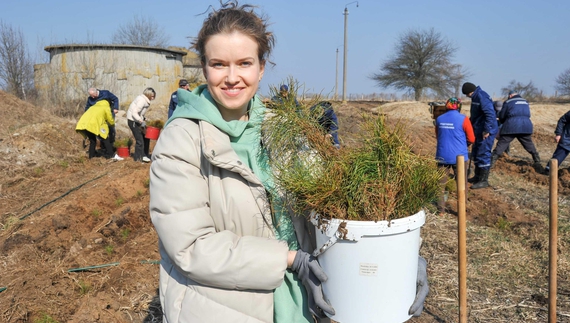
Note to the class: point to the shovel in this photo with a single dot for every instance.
(469, 167)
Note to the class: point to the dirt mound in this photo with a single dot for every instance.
(16, 114)
(30, 136)
(77, 245)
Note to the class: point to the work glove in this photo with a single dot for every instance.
(422, 289)
(143, 124)
(311, 275)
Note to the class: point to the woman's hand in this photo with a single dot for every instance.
(290, 258)
(311, 275)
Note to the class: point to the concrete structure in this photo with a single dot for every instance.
(125, 70)
(191, 67)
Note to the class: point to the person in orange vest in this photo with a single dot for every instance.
(454, 134)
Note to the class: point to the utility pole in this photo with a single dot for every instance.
(345, 50)
(336, 77)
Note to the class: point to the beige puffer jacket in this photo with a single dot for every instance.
(220, 259)
(137, 108)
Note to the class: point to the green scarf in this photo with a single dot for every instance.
(290, 299)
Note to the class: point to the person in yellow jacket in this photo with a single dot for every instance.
(93, 124)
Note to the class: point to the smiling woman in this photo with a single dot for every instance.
(233, 75)
(226, 255)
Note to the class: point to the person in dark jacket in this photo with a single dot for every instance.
(498, 105)
(454, 134)
(562, 137)
(284, 96)
(96, 95)
(515, 122)
(182, 84)
(328, 121)
(484, 121)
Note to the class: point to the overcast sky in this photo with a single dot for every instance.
(497, 40)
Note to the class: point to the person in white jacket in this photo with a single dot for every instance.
(137, 124)
(225, 255)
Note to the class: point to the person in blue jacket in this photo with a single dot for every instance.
(328, 121)
(284, 96)
(562, 137)
(454, 134)
(514, 118)
(182, 84)
(484, 121)
(498, 104)
(96, 95)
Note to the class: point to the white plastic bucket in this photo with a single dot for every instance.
(371, 267)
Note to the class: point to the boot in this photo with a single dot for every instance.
(483, 179)
(475, 177)
(537, 165)
(494, 158)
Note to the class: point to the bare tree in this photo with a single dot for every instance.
(194, 77)
(455, 78)
(422, 61)
(16, 67)
(527, 91)
(563, 83)
(141, 31)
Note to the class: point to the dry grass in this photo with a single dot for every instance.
(507, 271)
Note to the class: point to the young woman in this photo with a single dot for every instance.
(225, 257)
(137, 124)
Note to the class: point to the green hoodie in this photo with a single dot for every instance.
(290, 299)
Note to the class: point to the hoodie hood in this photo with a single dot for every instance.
(200, 105)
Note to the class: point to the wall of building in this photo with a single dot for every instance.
(124, 70)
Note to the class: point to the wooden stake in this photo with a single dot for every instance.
(553, 241)
(462, 239)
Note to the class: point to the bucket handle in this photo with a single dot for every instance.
(327, 244)
(340, 233)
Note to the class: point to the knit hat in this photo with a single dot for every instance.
(468, 88)
(284, 87)
(498, 105)
(511, 92)
(453, 104)
(182, 82)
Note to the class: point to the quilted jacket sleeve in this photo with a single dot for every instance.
(180, 211)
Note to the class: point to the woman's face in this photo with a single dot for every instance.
(233, 72)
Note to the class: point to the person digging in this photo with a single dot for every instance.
(515, 120)
(484, 121)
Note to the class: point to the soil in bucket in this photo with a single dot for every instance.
(371, 268)
(152, 133)
(123, 152)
